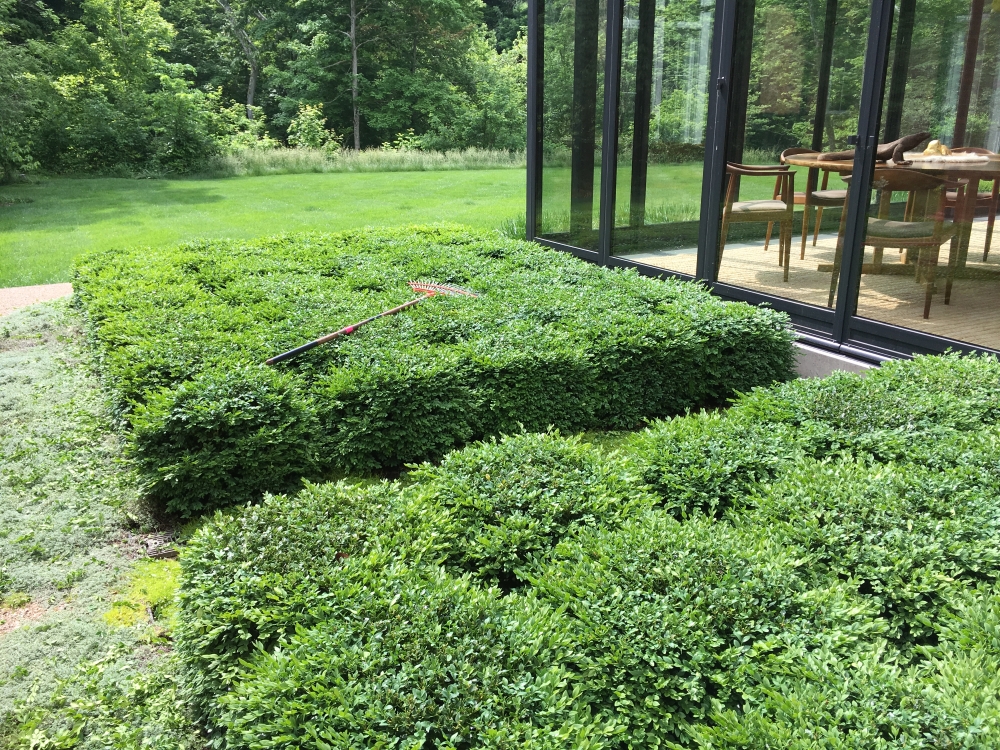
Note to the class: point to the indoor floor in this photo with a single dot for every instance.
(892, 296)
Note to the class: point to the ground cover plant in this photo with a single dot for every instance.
(81, 663)
(181, 336)
(816, 567)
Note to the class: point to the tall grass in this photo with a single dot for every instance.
(260, 162)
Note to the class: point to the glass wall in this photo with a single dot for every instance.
(572, 51)
(798, 69)
(662, 118)
(930, 259)
(767, 99)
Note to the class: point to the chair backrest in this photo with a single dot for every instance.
(795, 151)
(783, 184)
(925, 199)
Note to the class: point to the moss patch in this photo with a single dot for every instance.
(150, 592)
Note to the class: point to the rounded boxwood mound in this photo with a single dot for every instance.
(793, 572)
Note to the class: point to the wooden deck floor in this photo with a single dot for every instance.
(893, 297)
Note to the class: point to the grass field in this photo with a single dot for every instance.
(39, 240)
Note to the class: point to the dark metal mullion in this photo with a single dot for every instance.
(873, 86)
(579, 252)
(823, 85)
(609, 140)
(533, 209)
(714, 174)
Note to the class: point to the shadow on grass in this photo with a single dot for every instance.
(68, 202)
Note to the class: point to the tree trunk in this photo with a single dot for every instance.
(354, 75)
(249, 51)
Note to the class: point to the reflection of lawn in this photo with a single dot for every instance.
(38, 240)
(673, 193)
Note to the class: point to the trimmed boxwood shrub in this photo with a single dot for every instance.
(916, 412)
(513, 500)
(668, 615)
(790, 573)
(905, 534)
(181, 336)
(421, 659)
(251, 579)
(813, 700)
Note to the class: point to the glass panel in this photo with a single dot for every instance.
(928, 262)
(797, 75)
(573, 36)
(663, 112)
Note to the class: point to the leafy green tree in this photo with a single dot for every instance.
(308, 129)
(19, 94)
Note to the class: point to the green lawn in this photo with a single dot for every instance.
(39, 240)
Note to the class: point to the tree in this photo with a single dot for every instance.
(237, 23)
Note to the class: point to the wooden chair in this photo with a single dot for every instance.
(923, 227)
(770, 211)
(811, 199)
(988, 200)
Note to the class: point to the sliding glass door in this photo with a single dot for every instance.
(750, 144)
(930, 263)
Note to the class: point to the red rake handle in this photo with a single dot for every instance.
(342, 332)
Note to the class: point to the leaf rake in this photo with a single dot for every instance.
(427, 289)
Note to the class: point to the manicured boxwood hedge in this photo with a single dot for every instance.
(181, 335)
(815, 567)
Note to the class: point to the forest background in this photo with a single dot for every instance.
(127, 87)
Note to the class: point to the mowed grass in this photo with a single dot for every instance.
(39, 240)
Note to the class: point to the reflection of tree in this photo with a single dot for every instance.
(785, 72)
(780, 76)
(934, 73)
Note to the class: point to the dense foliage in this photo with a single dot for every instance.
(139, 86)
(825, 576)
(182, 335)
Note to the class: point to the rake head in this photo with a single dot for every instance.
(431, 289)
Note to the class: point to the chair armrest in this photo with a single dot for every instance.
(766, 172)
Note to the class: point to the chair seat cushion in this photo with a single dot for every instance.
(754, 207)
(830, 195)
(906, 230)
(985, 196)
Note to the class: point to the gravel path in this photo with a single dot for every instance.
(21, 296)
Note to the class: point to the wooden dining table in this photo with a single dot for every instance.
(973, 171)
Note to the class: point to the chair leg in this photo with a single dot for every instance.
(952, 263)
(767, 240)
(877, 259)
(819, 220)
(788, 245)
(722, 244)
(837, 257)
(991, 220)
(929, 259)
(805, 231)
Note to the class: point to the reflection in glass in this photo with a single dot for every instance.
(944, 79)
(797, 73)
(663, 110)
(572, 64)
